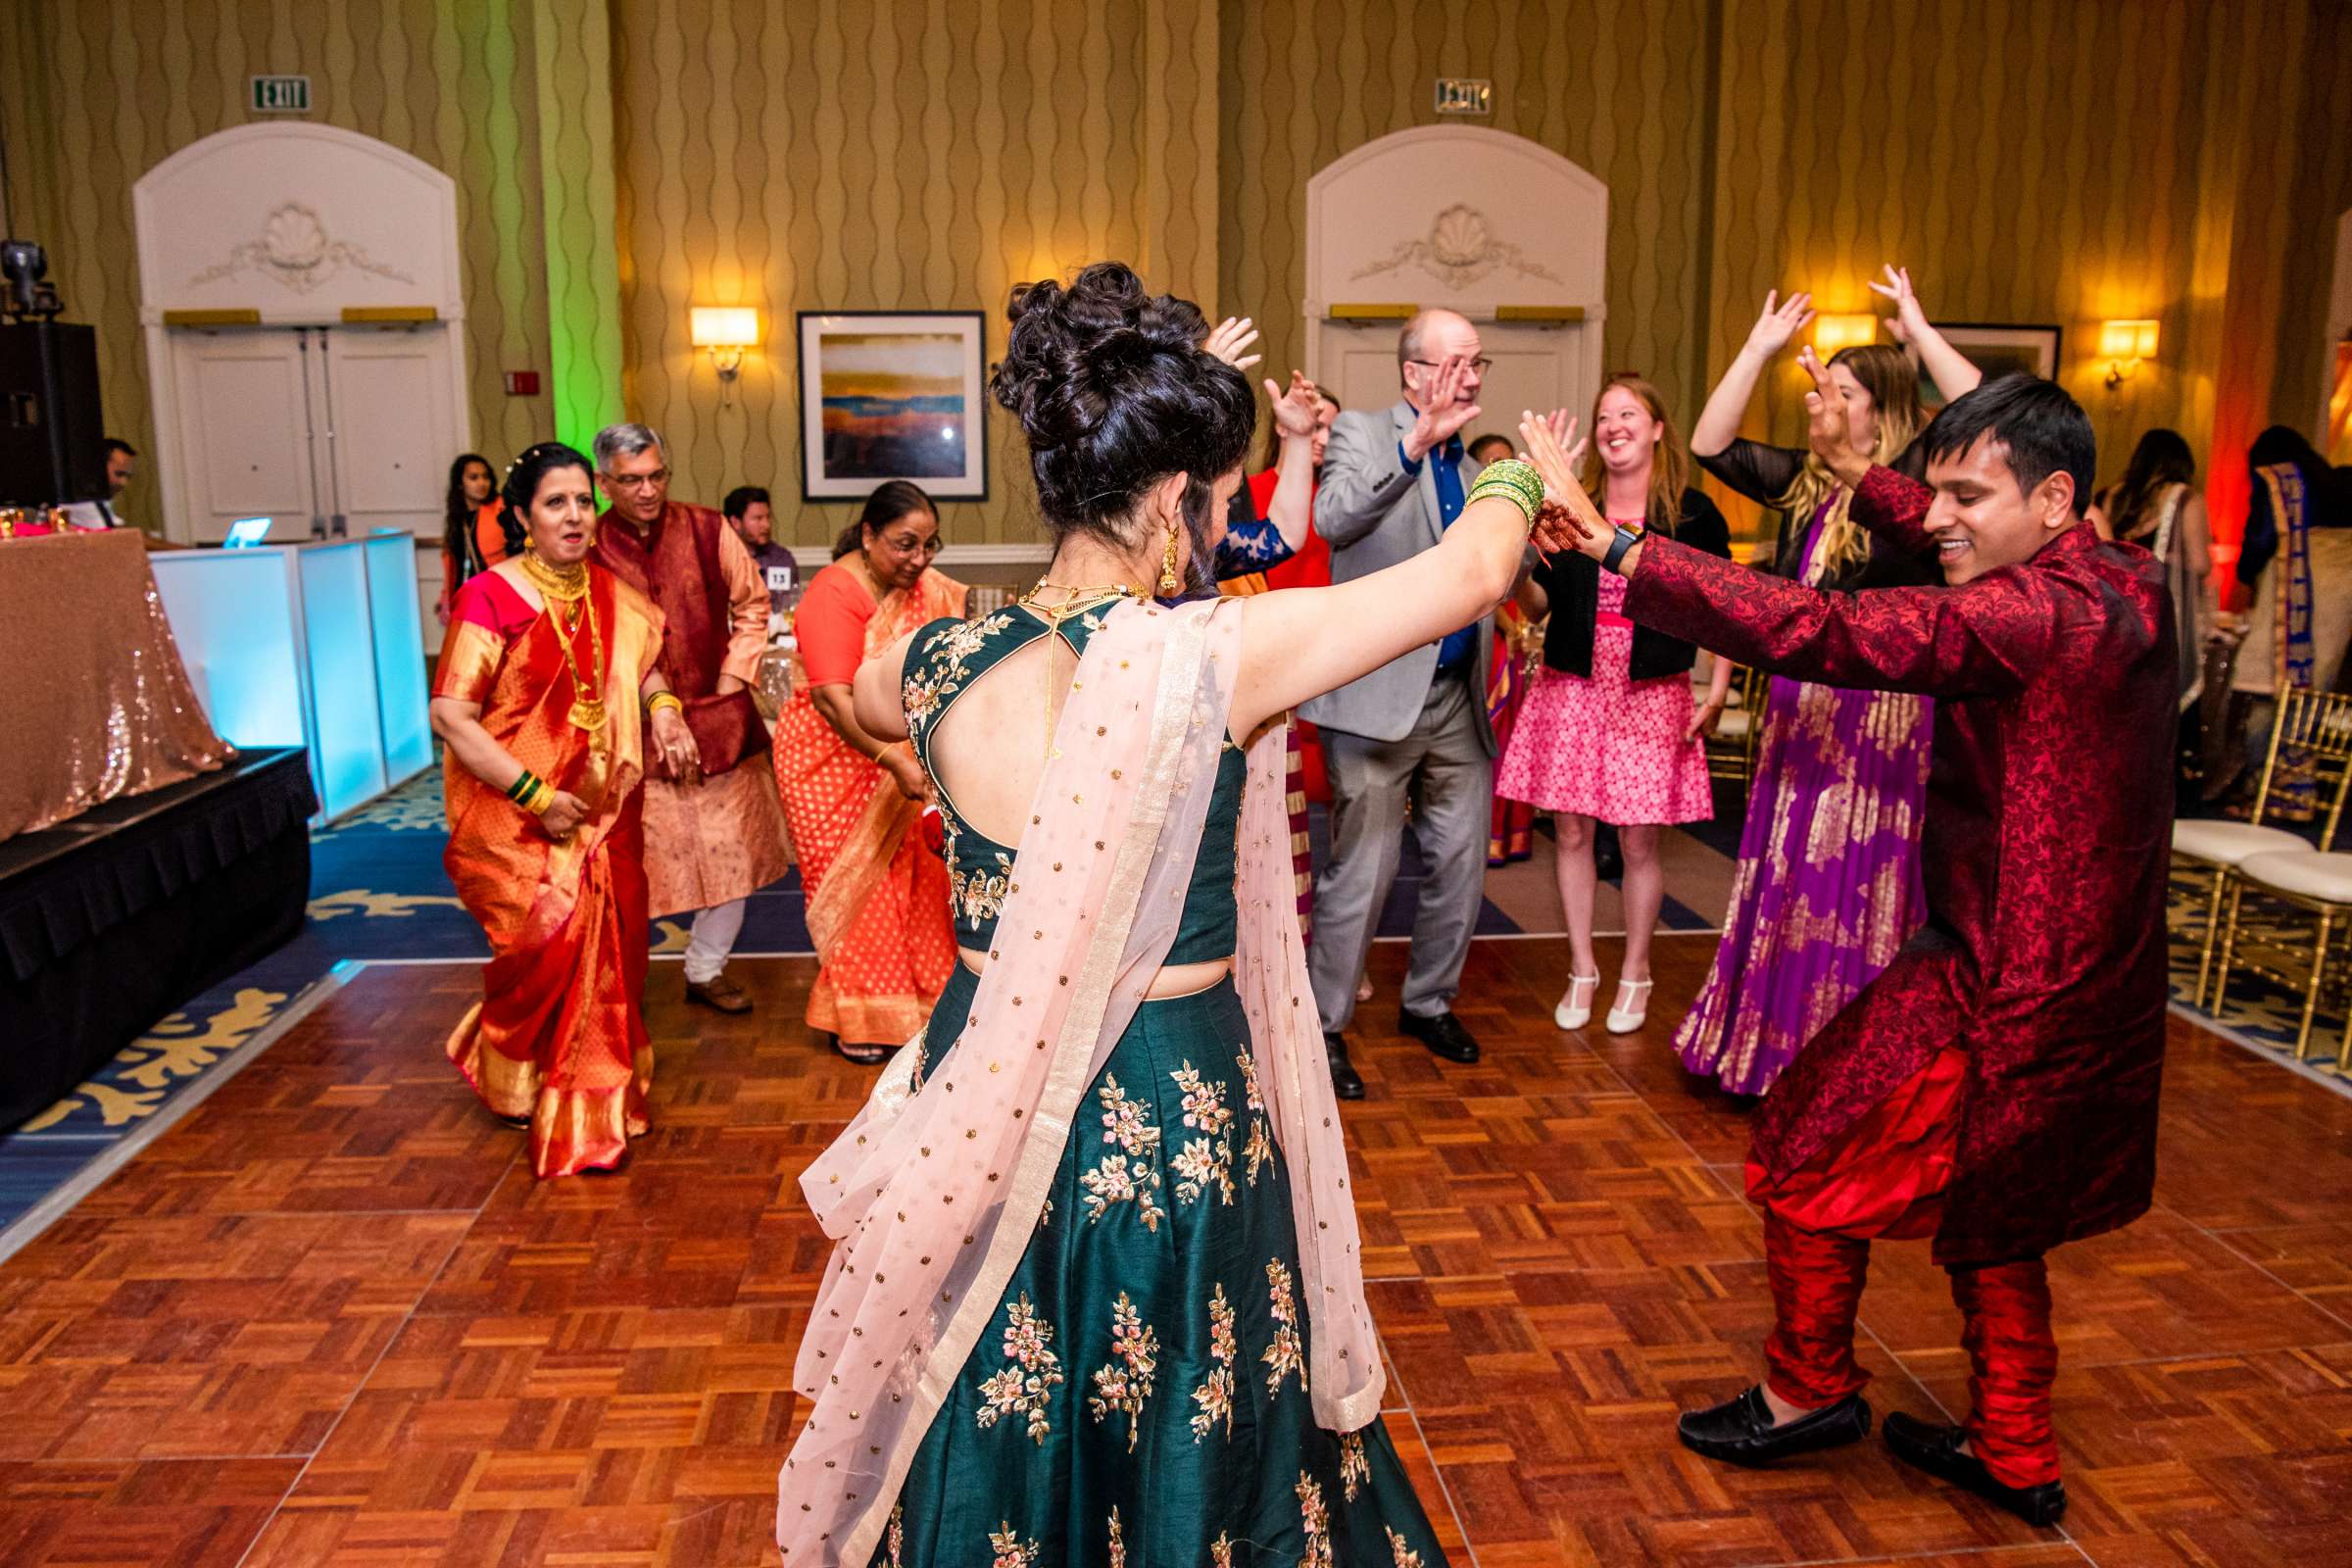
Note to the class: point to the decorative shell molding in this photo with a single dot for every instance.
(1460, 250)
(295, 250)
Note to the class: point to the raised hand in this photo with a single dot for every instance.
(1779, 322)
(1828, 429)
(1442, 416)
(1569, 520)
(1229, 340)
(1910, 319)
(1562, 425)
(1294, 410)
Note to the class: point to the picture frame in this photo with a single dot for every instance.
(893, 395)
(1996, 348)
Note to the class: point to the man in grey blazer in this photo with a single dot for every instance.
(1417, 728)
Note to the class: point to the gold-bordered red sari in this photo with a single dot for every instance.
(560, 1035)
(877, 891)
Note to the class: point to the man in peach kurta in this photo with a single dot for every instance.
(716, 836)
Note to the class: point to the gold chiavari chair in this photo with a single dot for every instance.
(2313, 883)
(1731, 751)
(2217, 848)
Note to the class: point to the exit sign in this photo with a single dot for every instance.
(1465, 95)
(282, 95)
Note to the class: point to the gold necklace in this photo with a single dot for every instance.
(567, 584)
(562, 588)
(1083, 598)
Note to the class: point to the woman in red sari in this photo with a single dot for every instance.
(876, 887)
(537, 700)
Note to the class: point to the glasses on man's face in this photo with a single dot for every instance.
(1482, 365)
(637, 481)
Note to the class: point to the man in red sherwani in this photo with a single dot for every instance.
(1995, 1088)
(716, 835)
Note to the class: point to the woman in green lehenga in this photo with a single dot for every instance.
(1098, 1289)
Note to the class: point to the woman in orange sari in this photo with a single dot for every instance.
(876, 887)
(537, 700)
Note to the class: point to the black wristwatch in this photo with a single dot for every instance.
(1625, 540)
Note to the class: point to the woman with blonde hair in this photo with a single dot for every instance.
(1607, 732)
(1828, 883)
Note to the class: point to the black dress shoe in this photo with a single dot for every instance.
(1444, 1035)
(1936, 1448)
(1740, 1430)
(1346, 1081)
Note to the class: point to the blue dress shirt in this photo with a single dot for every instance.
(1459, 648)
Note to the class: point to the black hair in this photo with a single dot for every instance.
(525, 478)
(1491, 435)
(457, 520)
(112, 445)
(2040, 428)
(1114, 395)
(2159, 462)
(2326, 487)
(742, 499)
(890, 501)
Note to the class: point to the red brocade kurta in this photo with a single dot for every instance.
(2044, 850)
(722, 839)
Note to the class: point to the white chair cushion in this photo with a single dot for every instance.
(1732, 725)
(2308, 872)
(2229, 843)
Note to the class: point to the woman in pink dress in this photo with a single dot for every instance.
(1608, 731)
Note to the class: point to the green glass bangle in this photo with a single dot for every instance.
(1516, 481)
(521, 786)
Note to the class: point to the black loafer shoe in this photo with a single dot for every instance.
(1936, 1448)
(1740, 1430)
(1444, 1035)
(1346, 1081)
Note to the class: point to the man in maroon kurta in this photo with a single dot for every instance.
(1996, 1088)
(716, 836)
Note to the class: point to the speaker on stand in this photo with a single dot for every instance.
(50, 422)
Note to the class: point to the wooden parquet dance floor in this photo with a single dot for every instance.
(330, 1318)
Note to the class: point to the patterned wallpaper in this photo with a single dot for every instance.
(903, 155)
(619, 161)
(1619, 88)
(94, 94)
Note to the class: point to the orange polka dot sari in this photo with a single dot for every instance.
(877, 891)
(558, 1037)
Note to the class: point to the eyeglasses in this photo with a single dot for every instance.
(1482, 365)
(636, 481)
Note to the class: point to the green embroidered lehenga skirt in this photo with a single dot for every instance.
(1141, 1395)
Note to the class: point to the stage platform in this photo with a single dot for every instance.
(113, 919)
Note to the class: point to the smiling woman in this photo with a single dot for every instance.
(854, 804)
(537, 699)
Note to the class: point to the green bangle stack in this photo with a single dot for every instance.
(1515, 480)
(530, 791)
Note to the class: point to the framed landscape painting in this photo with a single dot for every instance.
(892, 395)
(1996, 350)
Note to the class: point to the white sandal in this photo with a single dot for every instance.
(1576, 1008)
(1622, 1019)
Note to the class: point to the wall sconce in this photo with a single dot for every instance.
(726, 331)
(1834, 334)
(2122, 345)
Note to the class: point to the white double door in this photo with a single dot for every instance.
(328, 431)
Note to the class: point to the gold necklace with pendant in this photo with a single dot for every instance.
(563, 587)
(1081, 601)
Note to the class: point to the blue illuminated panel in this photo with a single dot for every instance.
(399, 654)
(233, 614)
(347, 750)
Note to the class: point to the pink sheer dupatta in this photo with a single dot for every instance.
(932, 1196)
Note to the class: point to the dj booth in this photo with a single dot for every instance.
(142, 859)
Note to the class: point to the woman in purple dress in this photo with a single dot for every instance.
(1827, 885)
